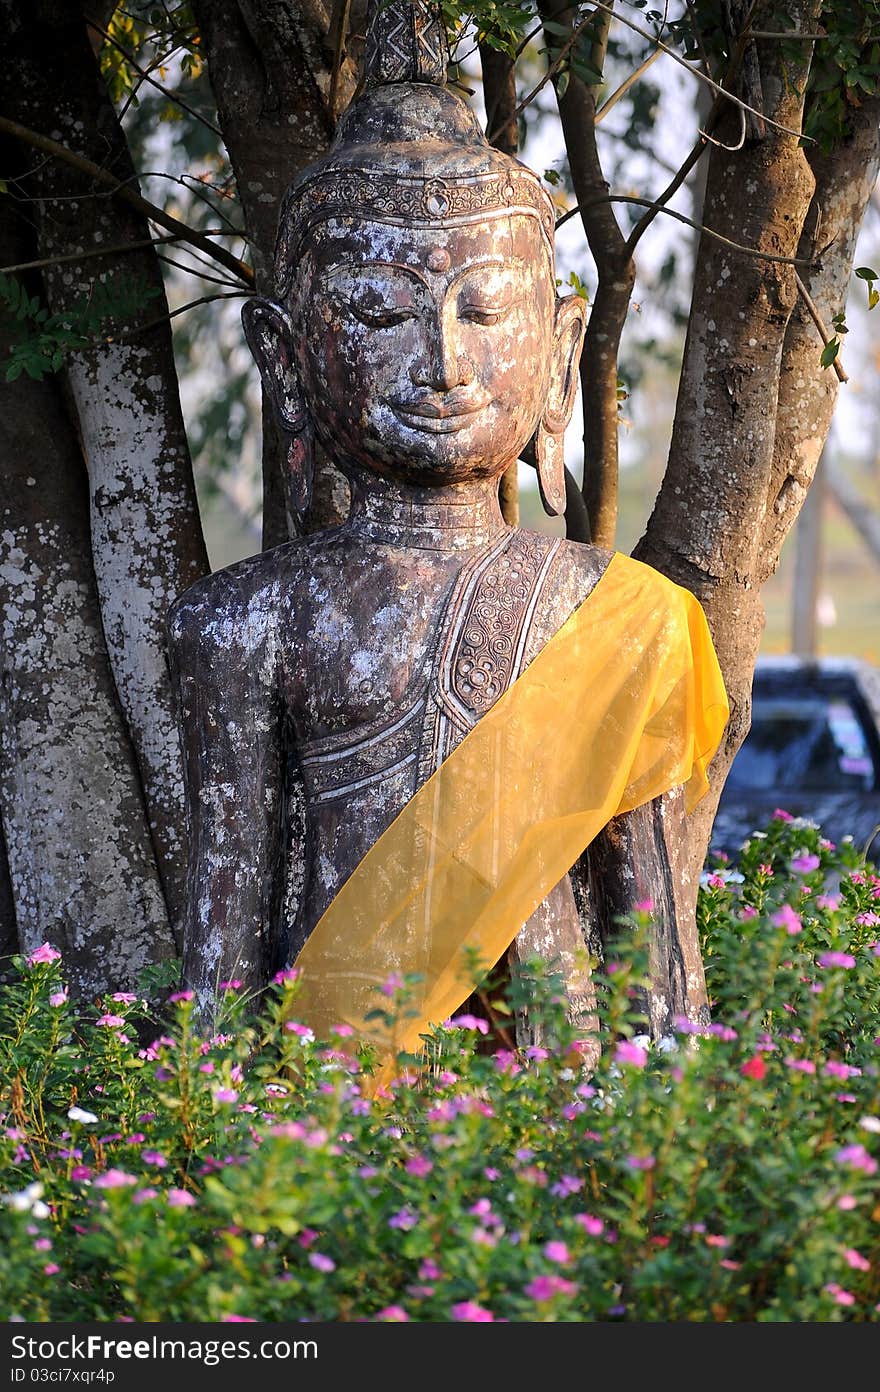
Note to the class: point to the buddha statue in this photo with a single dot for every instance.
(416, 333)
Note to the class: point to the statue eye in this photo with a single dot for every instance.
(380, 317)
(484, 313)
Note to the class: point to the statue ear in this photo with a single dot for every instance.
(568, 338)
(269, 334)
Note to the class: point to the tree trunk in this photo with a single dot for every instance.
(146, 534)
(271, 70)
(719, 503)
(81, 861)
(616, 278)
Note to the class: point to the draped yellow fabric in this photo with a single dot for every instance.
(625, 702)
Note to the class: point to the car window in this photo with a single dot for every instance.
(805, 743)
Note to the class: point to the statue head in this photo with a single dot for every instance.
(416, 328)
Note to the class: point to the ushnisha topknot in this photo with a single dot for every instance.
(408, 151)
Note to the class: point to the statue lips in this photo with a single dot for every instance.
(438, 415)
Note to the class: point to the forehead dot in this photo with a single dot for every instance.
(439, 259)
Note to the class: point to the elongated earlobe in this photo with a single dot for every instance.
(269, 334)
(568, 337)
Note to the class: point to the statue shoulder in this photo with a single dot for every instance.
(237, 605)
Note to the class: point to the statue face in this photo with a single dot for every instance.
(424, 353)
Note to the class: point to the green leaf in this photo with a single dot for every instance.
(829, 352)
(865, 273)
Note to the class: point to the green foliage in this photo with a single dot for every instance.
(52, 337)
(726, 1174)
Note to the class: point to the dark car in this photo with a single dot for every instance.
(813, 750)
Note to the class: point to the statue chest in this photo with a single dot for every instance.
(399, 690)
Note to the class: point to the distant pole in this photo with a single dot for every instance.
(808, 568)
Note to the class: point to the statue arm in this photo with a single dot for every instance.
(641, 856)
(231, 731)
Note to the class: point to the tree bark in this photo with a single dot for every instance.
(616, 278)
(708, 527)
(81, 860)
(8, 923)
(271, 70)
(145, 529)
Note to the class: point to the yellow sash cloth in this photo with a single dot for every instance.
(624, 702)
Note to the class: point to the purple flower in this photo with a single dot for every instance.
(320, 1262)
(806, 863)
(632, 1054)
(857, 1157)
(154, 1157)
(567, 1184)
(468, 1311)
(392, 983)
(836, 959)
(43, 954)
(224, 1095)
(404, 1219)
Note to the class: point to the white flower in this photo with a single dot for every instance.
(27, 1200)
(870, 1123)
(80, 1114)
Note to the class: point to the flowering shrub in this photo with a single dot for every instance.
(727, 1173)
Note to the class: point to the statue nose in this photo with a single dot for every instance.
(442, 367)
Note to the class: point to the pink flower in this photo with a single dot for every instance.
(836, 959)
(641, 1162)
(51, 1269)
(234, 985)
(467, 1022)
(847, 1202)
(843, 1297)
(780, 815)
(868, 920)
(546, 1287)
(591, 1225)
(857, 1157)
(717, 1240)
(557, 1252)
(180, 996)
(286, 977)
(224, 1096)
(124, 997)
(393, 1314)
(856, 1260)
(644, 906)
(43, 954)
(114, 1179)
(343, 1032)
(181, 1198)
(748, 911)
(321, 1263)
(154, 1157)
(715, 881)
(429, 1270)
(419, 1165)
(468, 1311)
(787, 918)
(300, 1030)
(828, 901)
(143, 1195)
(804, 864)
(393, 982)
(800, 1065)
(58, 998)
(110, 1021)
(632, 1054)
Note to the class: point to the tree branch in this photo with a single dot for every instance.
(128, 195)
(812, 310)
(142, 72)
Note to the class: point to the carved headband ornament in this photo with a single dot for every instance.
(407, 151)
